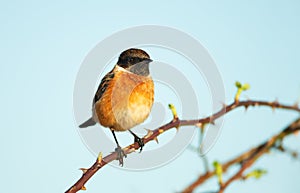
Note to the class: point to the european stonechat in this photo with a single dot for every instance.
(124, 97)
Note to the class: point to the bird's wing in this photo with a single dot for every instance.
(101, 89)
(103, 85)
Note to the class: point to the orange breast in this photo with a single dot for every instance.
(126, 102)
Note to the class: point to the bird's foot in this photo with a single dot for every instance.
(120, 155)
(140, 141)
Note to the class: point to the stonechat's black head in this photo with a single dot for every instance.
(135, 60)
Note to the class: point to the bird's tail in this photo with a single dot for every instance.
(89, 122)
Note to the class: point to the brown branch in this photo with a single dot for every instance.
(175, 123)
(246, 159)
(260, 150)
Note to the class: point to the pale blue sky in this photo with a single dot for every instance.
(43, 45)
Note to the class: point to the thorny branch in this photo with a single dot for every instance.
(246, 160)
(176, 123)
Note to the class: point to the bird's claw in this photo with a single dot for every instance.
(120, 154)
(140, 141)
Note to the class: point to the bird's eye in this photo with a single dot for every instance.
(130, 60)
(133, 60)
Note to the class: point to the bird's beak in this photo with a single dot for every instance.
(149, 60)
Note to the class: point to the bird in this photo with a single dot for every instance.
(124, 97)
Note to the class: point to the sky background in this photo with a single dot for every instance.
(43, 45)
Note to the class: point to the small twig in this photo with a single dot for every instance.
(175, 123)
(293, 153)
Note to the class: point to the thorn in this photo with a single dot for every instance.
(84, 170)
(155, 139)
(99, 159)
(200, 125)
(83, 188)
(244, 178)
(246, 107)
(224, 105)
(149, 133)
(160, 131)
(274, 105)
(273, 109)
(212, 121)
(280, 148)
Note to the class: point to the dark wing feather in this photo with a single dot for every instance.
(103, 85)
(87, 123)
(101, 89)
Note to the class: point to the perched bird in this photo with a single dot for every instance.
(124, 97)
